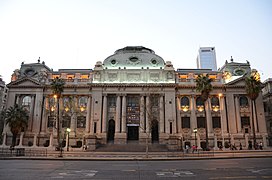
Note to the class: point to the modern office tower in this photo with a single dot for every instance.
(206, 58)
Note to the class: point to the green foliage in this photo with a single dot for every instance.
(253, 87)
(57, 86)
(16, 118)
(204, 85)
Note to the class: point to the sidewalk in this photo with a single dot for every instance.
(141, 156)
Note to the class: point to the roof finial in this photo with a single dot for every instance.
(231, 59)
(39, 60)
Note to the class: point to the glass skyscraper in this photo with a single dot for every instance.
(206, 58)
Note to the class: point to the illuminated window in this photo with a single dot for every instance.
(84, 76)
(56, 76)
(26, 101)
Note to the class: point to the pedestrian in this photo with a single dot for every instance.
(241, 147)
(187, 148)
(194, 148)
(261, 146)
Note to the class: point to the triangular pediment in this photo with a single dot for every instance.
(24, 82)
(237, 82)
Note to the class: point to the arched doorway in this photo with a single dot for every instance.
(111, 130)
(155, 131)
(203, 145)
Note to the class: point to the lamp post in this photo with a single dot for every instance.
(68, 133)
(195, 131)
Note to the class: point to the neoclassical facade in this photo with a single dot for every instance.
(134, 95)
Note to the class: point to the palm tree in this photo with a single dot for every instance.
(253, 89)
(204, 85)
(16, 118)
(57, 87)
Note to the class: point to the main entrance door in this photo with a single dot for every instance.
(111, 130)
(133, 133)
(155, 132)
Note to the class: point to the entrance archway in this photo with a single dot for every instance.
(133, 133)
(155, 131)
(111, 130)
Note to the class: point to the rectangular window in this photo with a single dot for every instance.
(216, 122)
(66, 121)
(50, 122)
(201, 122)
(81, 121)
(95, 127)
(245, 121)
(185, 121)
(111, 101)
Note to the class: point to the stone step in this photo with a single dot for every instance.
(131, 147)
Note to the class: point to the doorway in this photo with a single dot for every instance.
(111, 130)
(133, 133)
(155, 131)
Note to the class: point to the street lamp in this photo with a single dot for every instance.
(195, 131)
(68, 132)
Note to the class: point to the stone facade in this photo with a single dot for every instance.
(134, 95)
(267, 98)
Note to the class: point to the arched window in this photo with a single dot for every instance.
(184, 101)
(215, 101)
(243, 101)
(199, 101)
(82, 103)
(26, 101)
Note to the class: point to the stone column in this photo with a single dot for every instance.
(142, 111)
(223, 119)
(51, 140)
(193, 113)
(124, 114)
(161, 115)
(74, 118)
(21, 139)
(31, 112)
(92, 115)
(35, 140)
(88, 119)
(44, 116)
(209, 116)
(178, 115)
(117, 115)
(4, 139)
(147, 120)
(215, 142)
(238, 116)
(104, 116)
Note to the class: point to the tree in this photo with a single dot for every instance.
(57, 87)
(204, 86)
(152, 113)
(253, 88)
(2, 121)
(16, 118)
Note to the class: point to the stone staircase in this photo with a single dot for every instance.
(131, 147)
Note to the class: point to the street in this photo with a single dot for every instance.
(249, 168)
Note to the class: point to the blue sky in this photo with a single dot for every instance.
(77, 33)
